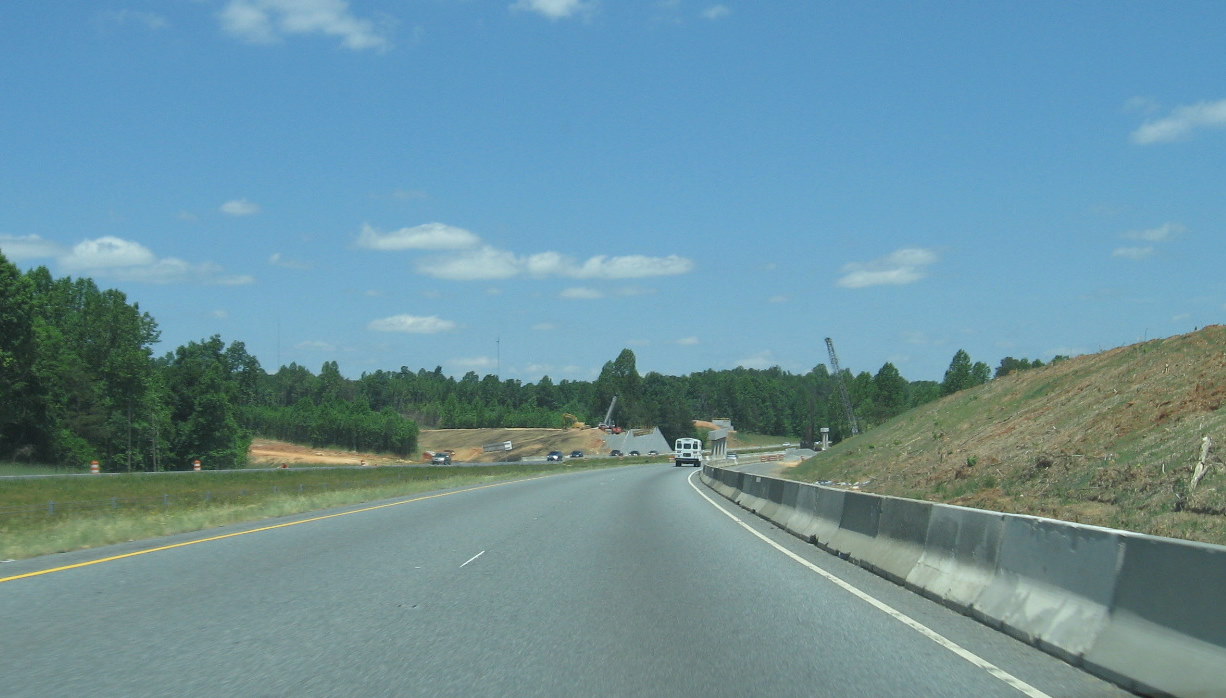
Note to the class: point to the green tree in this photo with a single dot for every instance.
(203, 407)
(958, 375)
(22, 430)
(665, 395)
(620, 378)
(891, 392)
(980, 373)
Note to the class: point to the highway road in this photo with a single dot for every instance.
(628, 581)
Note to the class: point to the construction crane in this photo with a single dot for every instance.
(838, 379)
(607, 423)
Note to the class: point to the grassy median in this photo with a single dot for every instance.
(39, 516)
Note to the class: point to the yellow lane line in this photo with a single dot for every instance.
(254, 530)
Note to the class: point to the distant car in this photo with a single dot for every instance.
(441, 459)
(554, 456)
(731, 456)
(653, 452)
(634, 453)
(576, 454)
(615, 452)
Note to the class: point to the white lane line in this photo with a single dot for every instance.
(474, 557)
(901, 617)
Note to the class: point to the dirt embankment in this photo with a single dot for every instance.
(468, 445)
(1112, 439)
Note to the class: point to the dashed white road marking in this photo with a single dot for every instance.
(474, 557)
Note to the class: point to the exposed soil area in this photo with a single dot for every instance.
(467, 444)
(1112, 439)
(266, 452)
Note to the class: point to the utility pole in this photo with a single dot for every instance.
(838, 379)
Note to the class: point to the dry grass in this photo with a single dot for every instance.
(151, 506)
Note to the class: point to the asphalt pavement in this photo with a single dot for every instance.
(625, 581)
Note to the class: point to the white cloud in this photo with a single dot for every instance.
(761, 360)
(544, 326)
(1163, 233)
(124, 260)
(219, 314)
(1181, 123)
(632, 267)
(269, 21)
(491, 263)
(778, 299)
(473, 260)
(412, 324)
(472, 363)
(545, 264)
(481, 264)
(240, 207)
(554, 9)
(905, 266)
(107, 253)
(581, 293)
(279, 260)
(21, 247)
(1133, 252)
(716, 12)
(316, 345)
(687, 341)
(430, 236)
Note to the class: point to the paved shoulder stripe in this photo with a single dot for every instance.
(901, 617)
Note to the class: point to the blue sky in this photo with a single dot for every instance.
(530, 186)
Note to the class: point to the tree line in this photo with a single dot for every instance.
(79, 382)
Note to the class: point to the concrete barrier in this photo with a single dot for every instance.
(1146, 613)
(902, 532)
(1167, 628)
(1053, 585)
(752, 495)
(857, 526)
(772, 505)
(796, 514)
(959, 558)
(829, 515)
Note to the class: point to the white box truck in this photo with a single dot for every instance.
(687, 452)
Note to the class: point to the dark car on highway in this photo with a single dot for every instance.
(554, 456)
(576, 454)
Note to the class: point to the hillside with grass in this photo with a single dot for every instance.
(1113, 439)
